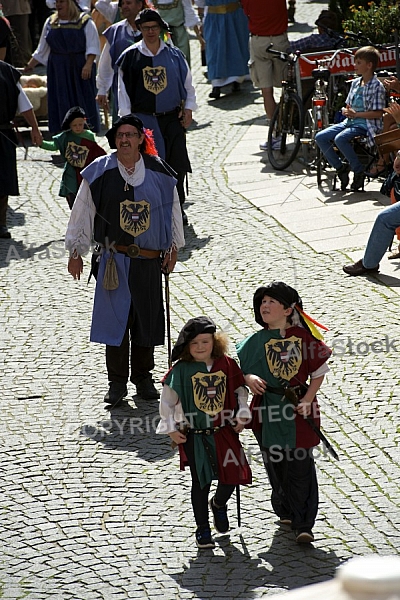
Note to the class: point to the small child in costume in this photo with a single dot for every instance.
(277, 362)
(204, 395)
(78, 147)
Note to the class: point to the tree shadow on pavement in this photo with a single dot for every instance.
(236, 100)
(131, 428)
(11, 250)
(301, 27)
(193, 243)
(286, 565)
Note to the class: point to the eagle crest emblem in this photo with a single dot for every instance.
(155, 79)
(76, 155)
(134, 216)
(284, 357)
(209, 392)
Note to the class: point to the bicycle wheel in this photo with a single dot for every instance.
(285, 132)
(307, 155)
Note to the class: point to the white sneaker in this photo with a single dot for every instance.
(264, 146)
(276, 143)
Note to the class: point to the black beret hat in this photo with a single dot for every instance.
(126, 120)
(76, 112)
(282, 292)
(192, 328)
(327, 18)
(148, 14)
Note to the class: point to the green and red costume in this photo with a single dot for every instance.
(282, 361)
(209, 402)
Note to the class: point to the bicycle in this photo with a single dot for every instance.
(287, 123)
(317, 117)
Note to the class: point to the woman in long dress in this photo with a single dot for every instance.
(68, 47)
(226, 35)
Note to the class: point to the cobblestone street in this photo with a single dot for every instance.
(94, 505)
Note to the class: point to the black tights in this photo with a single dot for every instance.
(199, 496)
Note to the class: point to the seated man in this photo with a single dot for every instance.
(364, 109)
(384, 227)
(322, 40)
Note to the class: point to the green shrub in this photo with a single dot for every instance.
(377, 21)
(343, 11)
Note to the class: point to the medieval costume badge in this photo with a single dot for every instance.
(209, 392)
(76, 155)
(155, 79)
(284, 356)
(134, 216)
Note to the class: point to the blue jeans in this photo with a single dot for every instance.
(381, 235)
(340, 136)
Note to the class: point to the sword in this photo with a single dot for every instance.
(238, 505)
(321, 436)
(292, 397)
(168, 313)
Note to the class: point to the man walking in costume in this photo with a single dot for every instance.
(155, 83)
(129, 205)
(119, 37)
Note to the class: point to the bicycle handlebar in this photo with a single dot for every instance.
(284, 56)
(319, 61)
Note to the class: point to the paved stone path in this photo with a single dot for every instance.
(94, 506)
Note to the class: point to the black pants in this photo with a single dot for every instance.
(199, 495)
(117, 359)
(176, 154)
(294, 484)
(3, 210)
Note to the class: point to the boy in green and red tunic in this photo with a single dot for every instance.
(285, 354)
(77, 145)
(205, 392)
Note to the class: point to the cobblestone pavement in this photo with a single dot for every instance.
(94, 506)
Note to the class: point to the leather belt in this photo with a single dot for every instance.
(162, 114)
(133, 251)
(222, 9)
(299, 390)
(208, 431)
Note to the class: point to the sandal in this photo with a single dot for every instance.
(376, 171)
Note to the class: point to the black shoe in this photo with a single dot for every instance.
(116, 392)
(4, 233)
(304, 536)
(203, 538)
(358, 182)
(359, 269)
(343, 176)
(220, 513)
(146, 390)
(215, 93)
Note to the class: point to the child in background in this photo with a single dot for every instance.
(204, 395)
(277, 362)
(363, 111)
(78, 147)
